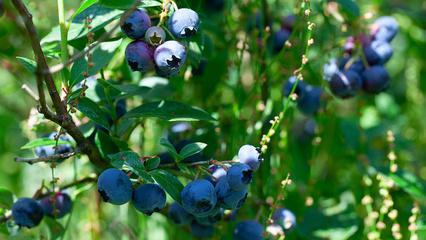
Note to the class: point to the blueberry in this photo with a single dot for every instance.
(239, 176)
(288, 22)
(278, 39)
(211, 219)
(228, 198)
(357, 66)
(201, 231)
(181, 127)
(199, 197)
(169, 58)
(178, 214)
(330, 69)
(149, 198)
(136, 24)
(284, 218)
(378, 52)
(56, 206)
(27, 212)
(47, 151)
(115, 186)
(385, 28)
(304, 130)
(155, 36)
(184, 23)
(375, 79)
(310, 102)
(249, 155)
(139, 56)
(345, 84)
(289, 85)
(248, 230)
(217, 172)
(120, 108)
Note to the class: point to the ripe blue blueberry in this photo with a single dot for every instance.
(155, 35)
(290, 84)
(228, 198)
(199, 197)
(310, 102)
(239, 176)
(149, 198)
(56, 206)
(284, 218)
(115, 186)
(184, 23)
(139, 56)
(201, 231)
(217, 172)
(288, 22)
(136, 24)
(375, 79)
(330, 69)
(385, 28)
(178, 214)
(27, 212)
(378, 52)
(169, 58)
(46, 151)
(279, 38)
(248, 230)
(249, 155)
(345, 84)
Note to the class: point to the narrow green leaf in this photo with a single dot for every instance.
(93, 112)
(40, 142)
(191, 149)
(152, 163)
(86, 4)
(170, 111)
(6, 198)
(170, 148)
(168, 182)
(28, 64)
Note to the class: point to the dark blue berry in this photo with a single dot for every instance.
(149, 198)
(201, 231)
(248, 230)
(290, 84)
(56, 206)
(375, 79)
(178, 214)
(184, 23)
(169, 58)
(115, 186)
(345, 84)
(310, 102)
(139, 56)
(385, 28)
(27, 212)
(228, 198)
(199, 197)
(211, 219)
(239, 176)
(136, 24)
(378, 52)
(279, 38)
(284, 218)
(288, 22)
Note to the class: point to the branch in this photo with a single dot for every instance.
(208, 162)
(101, 39)
(46, 159)
(62, 118)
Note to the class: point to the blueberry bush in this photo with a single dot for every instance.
(212, 119)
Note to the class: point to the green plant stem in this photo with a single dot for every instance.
(64, 39)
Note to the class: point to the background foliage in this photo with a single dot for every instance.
(327, 173)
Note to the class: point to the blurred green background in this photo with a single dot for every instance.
(326, 171)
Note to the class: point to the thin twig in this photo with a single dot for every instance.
(30, 92)
(48, 159)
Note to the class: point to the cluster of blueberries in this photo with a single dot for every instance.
(150, 50)
(28, 212)
(364, 69)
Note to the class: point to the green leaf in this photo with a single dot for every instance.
(170, 148)
(170, 111)
(101, 56)
(93, 112)
(40, 142)
(132, 161)
(121, 4)
(191, 149)
(350, 8)
(28, 64)
(56, 229)
(86, 4)
(168, 182)
(6, 198)
(152, 163)
(408, 182)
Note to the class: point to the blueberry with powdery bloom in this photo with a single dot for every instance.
(228, 198)
(199, 197)
(310, 102)
(329, 69)
(284, 218)
(139, 56)
(345, 84)
(47, 151)
(217, 172)
(56, 206)
(155, 36)
(184, 23)
(136, 24)
(149, 198)
(169, 58)
(250, 155)
(248, 230)
(375, 79)
(27, 212)
(178, 214)
(115, 186)
(378, 52)
(385, 28)
(239, 176)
